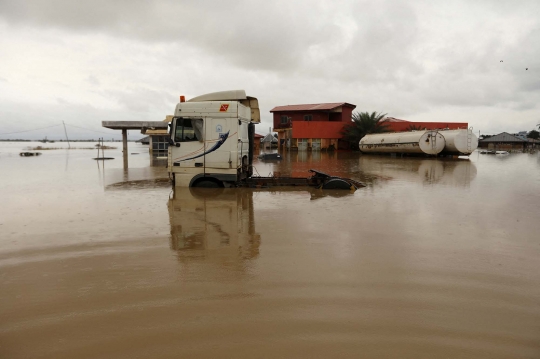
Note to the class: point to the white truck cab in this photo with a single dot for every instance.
(211, 139)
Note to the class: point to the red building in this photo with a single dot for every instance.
(313, 126)
(397, 125)
(257, 143)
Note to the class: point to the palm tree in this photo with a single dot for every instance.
(362, 124)
(533, 134)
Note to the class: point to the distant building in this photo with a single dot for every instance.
(312, 126)
(522, 135)
(150, 128)
(532, 143)
(503, 141)
(269, 141)
(158, 139)
(257, 142)
(144, 140)
(159, 142)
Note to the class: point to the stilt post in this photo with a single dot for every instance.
(125, 148)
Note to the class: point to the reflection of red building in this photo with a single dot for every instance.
(313, 126)
(397, 125)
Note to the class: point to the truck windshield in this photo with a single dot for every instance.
(188, 129)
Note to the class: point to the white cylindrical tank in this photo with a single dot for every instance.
(421, 142)
(459, 142)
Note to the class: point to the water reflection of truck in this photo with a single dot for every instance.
(212, 220)
(211, 145)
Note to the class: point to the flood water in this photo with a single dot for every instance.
(434, 258)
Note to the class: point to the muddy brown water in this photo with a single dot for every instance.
(434, 258)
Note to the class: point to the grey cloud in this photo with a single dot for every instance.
(140, 99)
(525, 105)
(531, 84)
(272, 32)
(82, 121)
(93, 80)
(275, 36)
(399, 57)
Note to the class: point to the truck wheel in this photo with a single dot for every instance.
(336, 183)
(206, 183)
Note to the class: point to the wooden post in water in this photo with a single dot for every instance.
(125, 148)
(65, 131)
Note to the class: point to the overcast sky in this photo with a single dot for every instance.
(83, 62)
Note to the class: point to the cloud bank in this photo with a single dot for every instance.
(84, 62)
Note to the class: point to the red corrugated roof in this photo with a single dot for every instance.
(312, 107)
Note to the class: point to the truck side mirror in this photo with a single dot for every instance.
(177, 144)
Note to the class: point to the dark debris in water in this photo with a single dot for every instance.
(140, 184)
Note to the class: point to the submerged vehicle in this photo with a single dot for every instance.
(270, 156)
(426, 142)
(493, 152)
(211, 141)
(459, 142)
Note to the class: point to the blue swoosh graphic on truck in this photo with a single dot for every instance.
(222, 138)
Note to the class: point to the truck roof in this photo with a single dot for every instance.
(233, 95)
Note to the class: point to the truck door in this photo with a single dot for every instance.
(219, 141)
(188, 136)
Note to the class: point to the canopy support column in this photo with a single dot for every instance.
(125, 148)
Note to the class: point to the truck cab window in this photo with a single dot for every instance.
(186, 131)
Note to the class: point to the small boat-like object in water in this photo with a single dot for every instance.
(270, 157)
